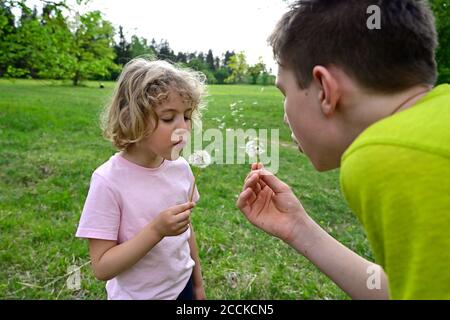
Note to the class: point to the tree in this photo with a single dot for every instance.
(210, 60)
(92, 47)
(140, 47)
(441, 10)
(122, 49)
(256, 70)
(165, 52)
(238, 66)
(216, 63)
(181, 58)
(39, 47)
(7, 32)
(221, 75)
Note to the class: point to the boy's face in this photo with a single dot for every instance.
(311, 130)
(174, 115)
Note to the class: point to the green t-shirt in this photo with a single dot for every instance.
(396, 178)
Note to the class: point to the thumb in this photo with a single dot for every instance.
(273, 182)
(257, 166)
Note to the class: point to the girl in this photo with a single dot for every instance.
(137, 212)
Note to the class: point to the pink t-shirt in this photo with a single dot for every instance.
(123, 198)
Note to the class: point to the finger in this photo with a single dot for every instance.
(251, 173)
(183, 216)
(258, 187)
(251, 199)
(273, 182)
(183, 223)
(257, 166)
(182, 229)
(262, 183)
(245, 195)
(251, 182)
(182, 207)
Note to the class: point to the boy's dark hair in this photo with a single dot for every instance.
(335, 32)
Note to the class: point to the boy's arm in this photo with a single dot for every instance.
(359, 278)
(270, 204)
(197, 279)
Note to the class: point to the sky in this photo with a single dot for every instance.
(200, 25)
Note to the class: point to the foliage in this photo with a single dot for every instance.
(59, 43)
(441, 9)
(51, 45)
(238, 66)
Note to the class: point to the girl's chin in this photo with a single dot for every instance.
(174, 154)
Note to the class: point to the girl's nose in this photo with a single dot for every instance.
(184, 124)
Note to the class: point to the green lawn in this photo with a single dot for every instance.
(50, 143)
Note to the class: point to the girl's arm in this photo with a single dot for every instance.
(197, 279)
(109, 259)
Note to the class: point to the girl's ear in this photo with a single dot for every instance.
(329, 92)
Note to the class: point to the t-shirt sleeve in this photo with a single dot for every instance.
(100, 218)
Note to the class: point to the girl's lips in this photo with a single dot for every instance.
(180, 143)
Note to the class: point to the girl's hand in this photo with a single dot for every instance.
(270, 205)
(173, 221)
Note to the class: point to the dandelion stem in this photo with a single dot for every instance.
(193, 185)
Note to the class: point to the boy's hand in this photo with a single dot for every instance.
(269, 204)
(173, 221)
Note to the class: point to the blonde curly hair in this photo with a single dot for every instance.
(143, 85)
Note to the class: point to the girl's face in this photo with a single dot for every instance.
(174, 116)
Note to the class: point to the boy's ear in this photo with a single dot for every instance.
(329, 92)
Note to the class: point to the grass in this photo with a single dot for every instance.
(50, 143)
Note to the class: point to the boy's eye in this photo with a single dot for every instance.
(187, 118)
(167, 120)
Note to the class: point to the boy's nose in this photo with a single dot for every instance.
(286, 119)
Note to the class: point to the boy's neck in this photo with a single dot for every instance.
(411, 100)
(368, 108)
(144, 159)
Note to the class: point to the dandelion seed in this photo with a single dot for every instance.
(254, 148)
(200, 159)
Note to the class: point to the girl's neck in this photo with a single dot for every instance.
(142, 158)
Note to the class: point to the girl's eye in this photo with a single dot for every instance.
(171, 119)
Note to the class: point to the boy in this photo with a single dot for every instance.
(363, 100)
